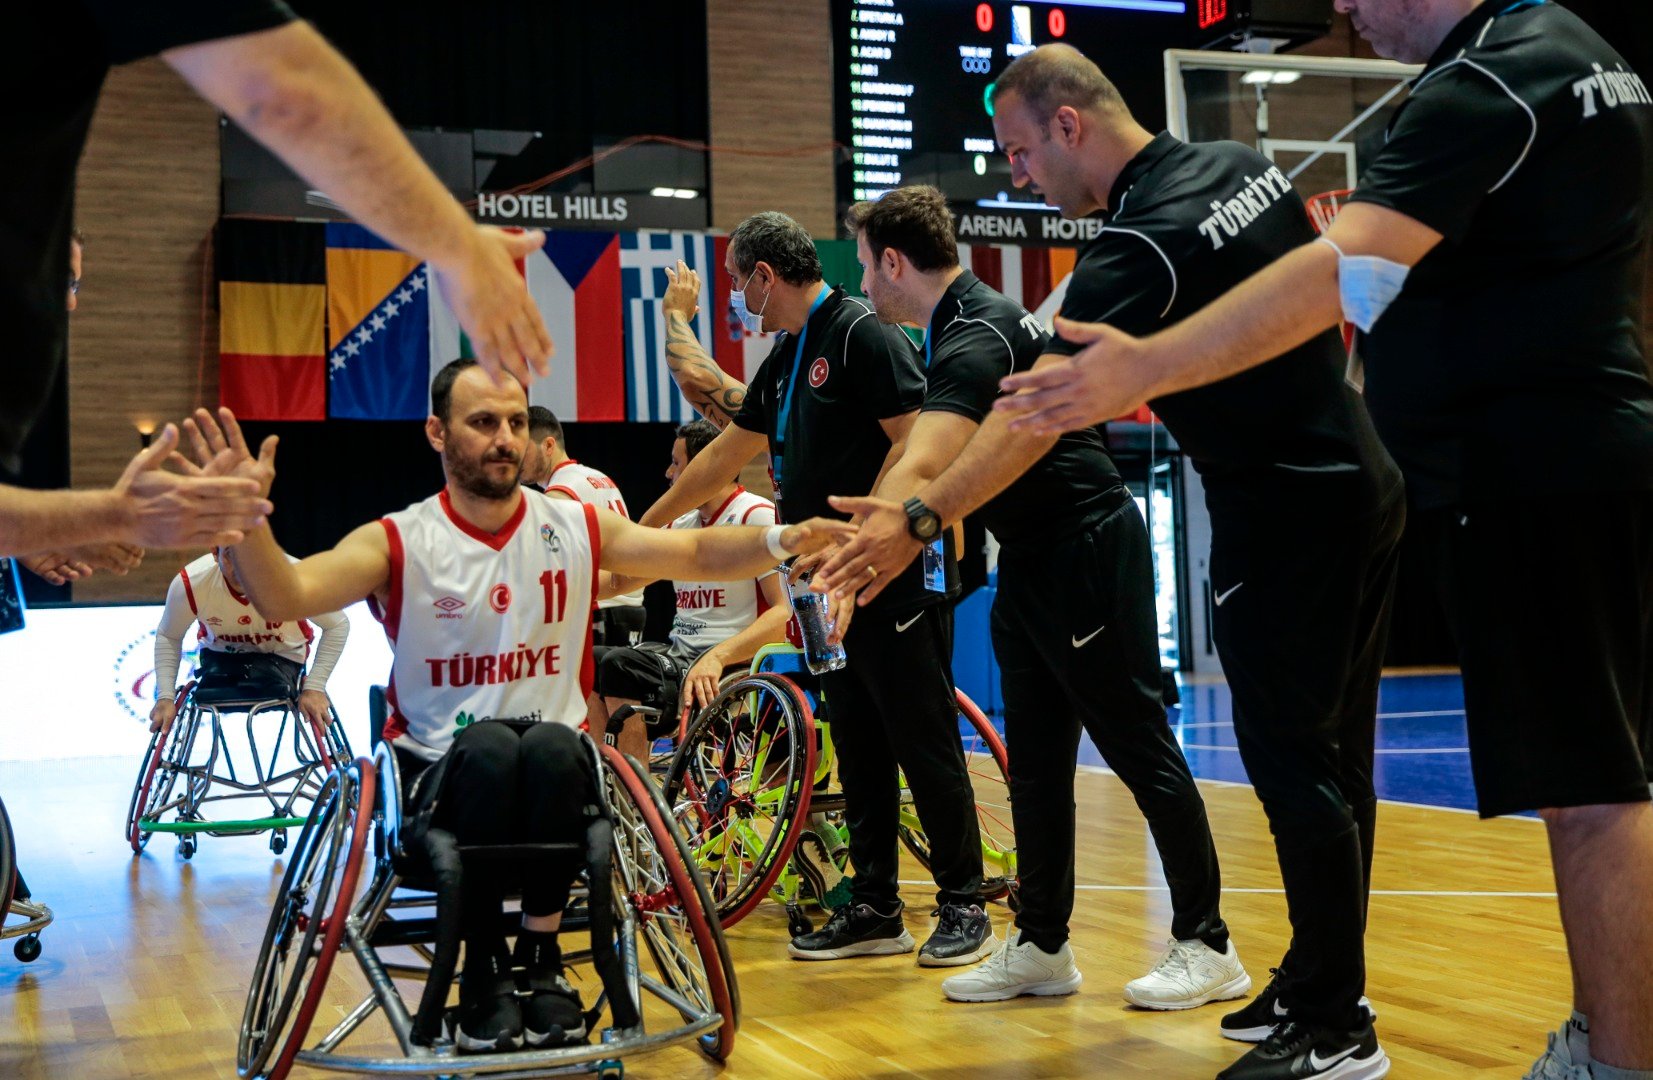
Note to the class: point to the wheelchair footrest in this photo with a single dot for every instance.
(252, 825)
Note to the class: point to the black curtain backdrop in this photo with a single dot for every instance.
(578, 73)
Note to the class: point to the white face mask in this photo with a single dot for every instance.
(1366, 285)
(753, 321)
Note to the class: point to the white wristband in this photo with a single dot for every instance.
(772, 537)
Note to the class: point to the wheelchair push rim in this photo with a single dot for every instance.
(670, 906)
(741, 827)
(310, 914)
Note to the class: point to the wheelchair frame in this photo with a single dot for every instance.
(639, 884)
(36, 916)
(317, 749)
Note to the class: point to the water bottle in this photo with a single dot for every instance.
(815, 624)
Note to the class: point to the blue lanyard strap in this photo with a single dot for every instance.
(785, 413)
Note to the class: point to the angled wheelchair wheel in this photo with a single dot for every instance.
(988, 765)
(307, 923)
(670, 904)
(156, 791)
(739, 788)
(8, 864)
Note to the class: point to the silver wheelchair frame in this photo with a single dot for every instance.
(640, 895)
(170, 761)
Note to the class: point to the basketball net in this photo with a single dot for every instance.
(1323, 210)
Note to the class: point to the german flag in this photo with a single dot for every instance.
(272, 298)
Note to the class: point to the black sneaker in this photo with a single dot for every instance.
(552, 1013)
(854, 930)
(1259, 1017)
(1295, 1051)
(963, 935)
(490, 1020)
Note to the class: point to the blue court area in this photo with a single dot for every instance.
(1422, 754)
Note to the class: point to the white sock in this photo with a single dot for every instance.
(1577, 1033)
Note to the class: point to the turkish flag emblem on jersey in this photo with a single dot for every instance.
(499, 598)
(818, 371)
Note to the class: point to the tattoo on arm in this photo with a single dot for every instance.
(708, 387)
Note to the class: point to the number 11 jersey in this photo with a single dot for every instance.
(488, 626)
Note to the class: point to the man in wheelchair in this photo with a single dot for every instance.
(486, 591)
(243, 654)
(717, 625)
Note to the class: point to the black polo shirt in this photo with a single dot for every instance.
(848, 372)
(1185, 224)
(60, 53)
(1512, 361)
(977, 336)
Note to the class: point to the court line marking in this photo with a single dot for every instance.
(1389, 750)
(1472, 893)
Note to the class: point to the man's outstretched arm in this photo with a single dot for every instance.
(294, 93)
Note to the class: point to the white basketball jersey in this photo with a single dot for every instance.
(226, 621)
(711, 612)
(594, 488)
(488, 626)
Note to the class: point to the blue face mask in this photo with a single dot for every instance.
(753, 321)
(1366, 285)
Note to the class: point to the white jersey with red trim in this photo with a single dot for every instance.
(488, 626)
(594, 488)
(712, 612)
(226, 620)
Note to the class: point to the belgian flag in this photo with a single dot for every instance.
(272, 297)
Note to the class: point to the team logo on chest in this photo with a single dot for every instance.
(818, 372)
(552, 540)
(245, 620)
(499, 598)
(448, 607)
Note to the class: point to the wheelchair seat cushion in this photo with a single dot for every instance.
(233, 677)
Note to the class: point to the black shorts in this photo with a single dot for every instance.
(648, 674)
(1552, 601)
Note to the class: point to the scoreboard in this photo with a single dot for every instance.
(911, 79)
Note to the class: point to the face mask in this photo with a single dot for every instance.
(1366, 285)
(753, 321)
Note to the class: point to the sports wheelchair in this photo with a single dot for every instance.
(751, 776)
(639, 892)
(15, 900)
(179, 778)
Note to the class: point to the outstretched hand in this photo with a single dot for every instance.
(223, 451)
(490, 299)
(1108, 379)
(816, 534)
(881, 549)
(682, 292)
(165, 510)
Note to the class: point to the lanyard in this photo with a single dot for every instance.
(792, 384)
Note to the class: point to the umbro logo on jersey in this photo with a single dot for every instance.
(499, 598)
(213, 620)
(448, 607)
(818, 371)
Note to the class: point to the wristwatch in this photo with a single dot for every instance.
(923, 523)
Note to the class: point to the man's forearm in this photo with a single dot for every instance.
(272, 583)
(991, 461)
(766, 629)
(33, 521)
(707, 387)
(299, 97)
(704, 477)
(1271, 312)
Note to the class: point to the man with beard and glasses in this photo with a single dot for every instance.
(485, 591)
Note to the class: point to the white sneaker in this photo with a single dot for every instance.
(1557, 1062)
(1190, 974)
(1015, 969)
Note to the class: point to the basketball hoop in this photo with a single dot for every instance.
(1323, 210)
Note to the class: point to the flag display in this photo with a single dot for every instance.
(272, 301)
(330, 320)
(575, 283)
(378, 328)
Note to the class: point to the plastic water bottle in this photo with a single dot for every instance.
(816, 624)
